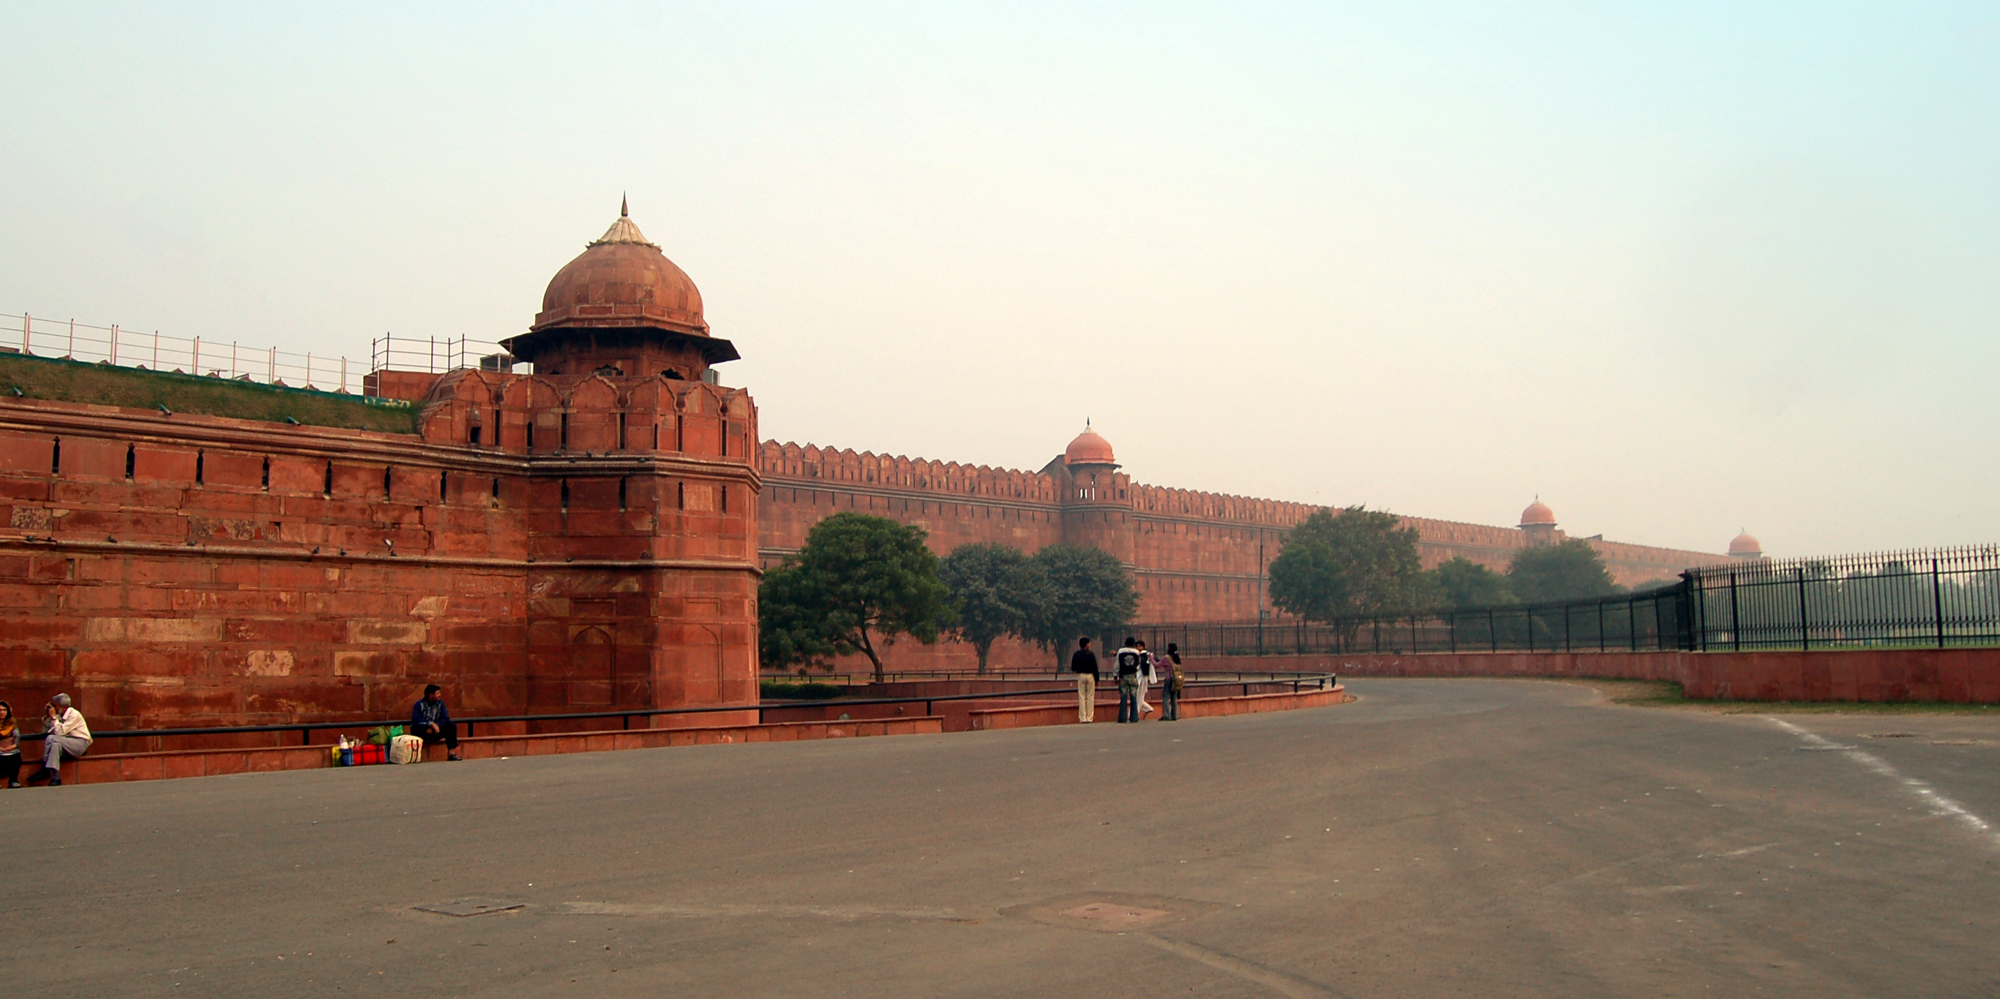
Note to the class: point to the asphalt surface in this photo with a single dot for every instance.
(1435, 838)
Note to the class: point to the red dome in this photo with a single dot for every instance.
(1538, 515)
(622, 280)
(1088, 449)
(1744, 544)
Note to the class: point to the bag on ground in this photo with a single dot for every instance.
(406, 749)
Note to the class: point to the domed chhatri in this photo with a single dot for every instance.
(1745, 546)
(1538, 514)
(621, 304)
(1088, 449)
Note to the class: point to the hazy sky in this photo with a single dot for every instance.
(1679, 269)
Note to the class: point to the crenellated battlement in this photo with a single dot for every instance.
(1194, 555)
(865, 468)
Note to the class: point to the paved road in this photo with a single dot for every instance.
(1436, 838)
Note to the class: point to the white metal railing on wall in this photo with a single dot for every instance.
(390, 352)
(156, 351)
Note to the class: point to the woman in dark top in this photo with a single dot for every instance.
(1170, 697)
(10, 746)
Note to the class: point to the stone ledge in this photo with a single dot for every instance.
(115, 767)
(993, 719)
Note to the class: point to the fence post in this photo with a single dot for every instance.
(1735, 620)
(1698, 612)
(1566, 641)
(1451, 628)
(71, 352)
(343, 375)
(156, 350)
(232, 360)
(1937, 602)
(1493, 628)
(1805, 621)
(194, 364)
(113, 352)
(271, 368)
(27, 327)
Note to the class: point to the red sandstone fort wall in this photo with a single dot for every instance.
(189, 570)
(1195, 556)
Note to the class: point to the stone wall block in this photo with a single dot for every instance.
(93, 458)
(161, 465)
(30, 453)
(388, 632)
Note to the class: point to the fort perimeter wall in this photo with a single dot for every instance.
(184, 570)
(1194, 556)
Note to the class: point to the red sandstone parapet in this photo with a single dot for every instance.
(992, 719)
(1951, 676)
(113, 767)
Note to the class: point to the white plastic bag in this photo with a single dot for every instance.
(406, 749)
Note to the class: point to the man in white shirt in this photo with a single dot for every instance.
(68, 735)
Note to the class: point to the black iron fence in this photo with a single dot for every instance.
(1637, 622)
(1939, 598)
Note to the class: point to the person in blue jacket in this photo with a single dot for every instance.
(430, 722)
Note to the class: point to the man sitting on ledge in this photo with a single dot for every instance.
(68, 735)
(430, 722)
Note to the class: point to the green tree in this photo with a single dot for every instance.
(1358, 562)
(1463, 584)
(1571, 570)
(1088, 594)
(857, 581)
(995, 590)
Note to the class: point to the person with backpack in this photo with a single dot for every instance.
(1129, 664)
(1083, 663)
(1170, 692)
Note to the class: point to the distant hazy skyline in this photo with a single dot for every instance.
(1679, 269)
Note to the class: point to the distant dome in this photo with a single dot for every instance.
(622, 280)
(1088, 449)
(1745, 545)
(1538, 514)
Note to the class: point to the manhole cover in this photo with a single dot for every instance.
(1112, 914)
(469, 906)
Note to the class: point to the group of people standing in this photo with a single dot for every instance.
(1138, 669)
(64, 733)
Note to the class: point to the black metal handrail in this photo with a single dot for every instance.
(306, 729)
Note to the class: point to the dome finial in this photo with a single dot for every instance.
(622, 213)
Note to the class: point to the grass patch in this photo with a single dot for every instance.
(1666, 694)
(105, 385)
(786, 690)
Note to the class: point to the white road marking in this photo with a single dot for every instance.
(1938, 804)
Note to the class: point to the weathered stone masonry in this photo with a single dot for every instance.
(569, 540)
(1194, 556)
